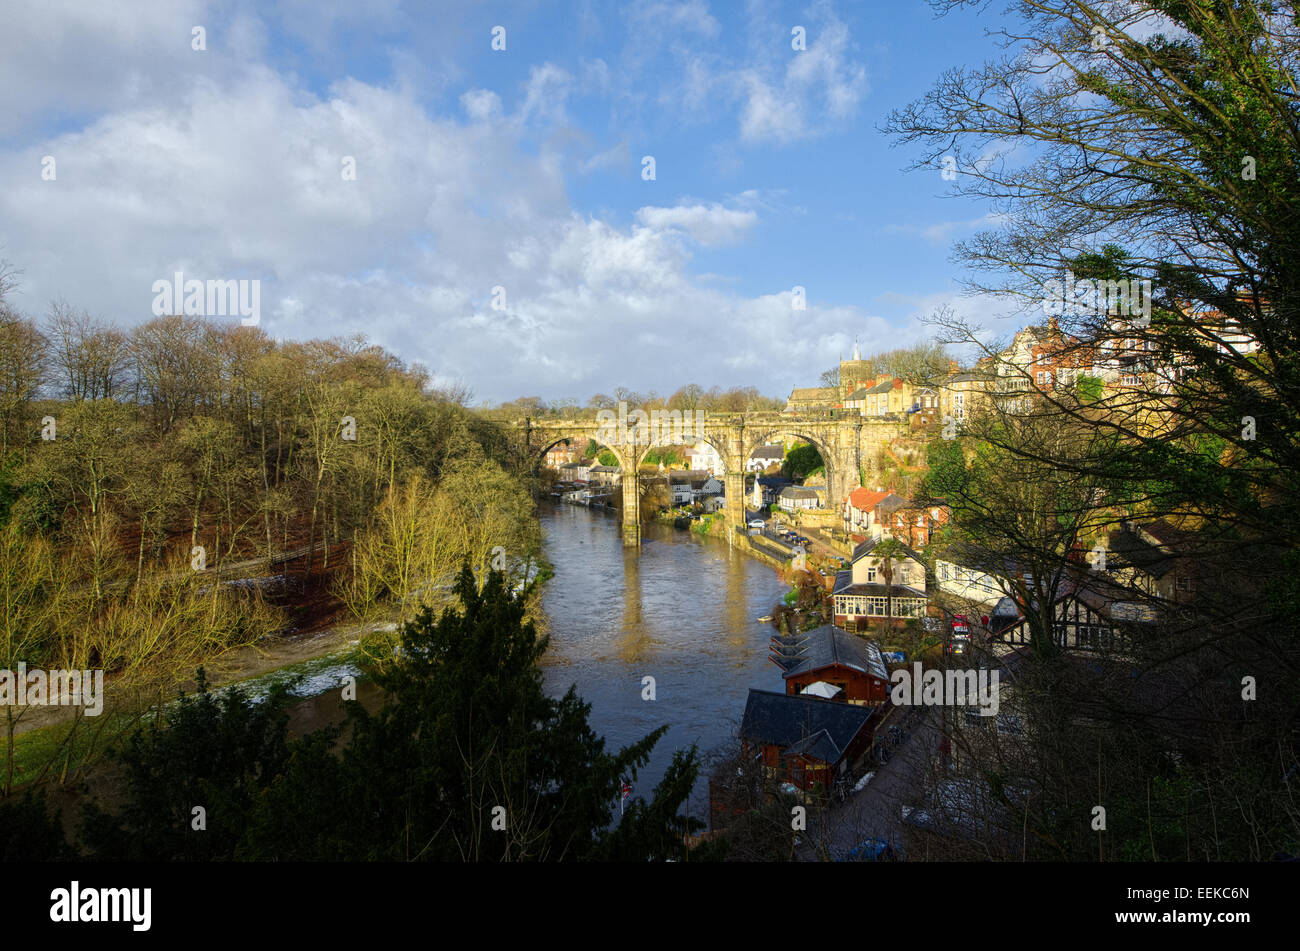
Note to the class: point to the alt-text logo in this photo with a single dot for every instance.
(193, 298)
(53, 688)
(659, 427)
(75, 903)
(946, 688)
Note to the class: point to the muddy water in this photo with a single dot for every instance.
(681, 610)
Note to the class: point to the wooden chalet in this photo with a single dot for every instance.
(803, 740)
(831, 663)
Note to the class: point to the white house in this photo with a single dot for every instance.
(762, 458)
(704, 456)
(691, 485)
(972, 575)
(795, 497)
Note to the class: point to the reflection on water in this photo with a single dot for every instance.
(681, 610)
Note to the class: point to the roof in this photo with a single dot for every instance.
(872, 590)
(966, 555)
(867, 547)
(828, 646)
(864, 500)
(813, 393)
(857, 394)
(606, 469)
(816, 728)
(768, 452)
(1162, 533)
(884, 386)
(800, 492)
(1131, 550)
(692, 476)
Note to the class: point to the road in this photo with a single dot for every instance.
(876, 812)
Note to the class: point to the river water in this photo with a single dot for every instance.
(682, 609)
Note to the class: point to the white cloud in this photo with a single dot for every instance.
(481, 104)
(710, 225)
(224, 168)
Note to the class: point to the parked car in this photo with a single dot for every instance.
(958, 644)
(756, 524)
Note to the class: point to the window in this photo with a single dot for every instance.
(1185, 584)
(1092, 636)
(871, 575)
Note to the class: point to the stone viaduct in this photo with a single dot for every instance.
(849, 445)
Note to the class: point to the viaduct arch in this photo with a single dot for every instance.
(848, 445)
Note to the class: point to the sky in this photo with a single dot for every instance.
(381, 169)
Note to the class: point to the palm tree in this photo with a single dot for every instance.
(889, 549)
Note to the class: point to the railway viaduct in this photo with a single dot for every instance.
(849, 444)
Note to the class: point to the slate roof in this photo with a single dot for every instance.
(884, 386)
(768, 452)
(876, 590)
(694, 477)
(867, 547)
(813, 393)
(827, 646)
(1131, 550)
(820, 729)
(857, 394)
(800, 492)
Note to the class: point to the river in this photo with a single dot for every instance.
(681, 609)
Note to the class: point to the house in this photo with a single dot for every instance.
(606, 475)
(972, 574)
(704, 456)
(770, 487)
(1152, 558)
(915, 524)
(961, 394)
(805, 740)
(814, 400)
(796, 497)
(575, 471)
(926, 406)
(880, 587)
(764, 457)
(865, 511)
(561, 454)
(1090, 614)
(690, 485)
(888, 396)
(847, 667)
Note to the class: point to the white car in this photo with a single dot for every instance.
(756, 524)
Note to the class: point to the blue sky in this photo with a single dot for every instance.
(480, 168)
